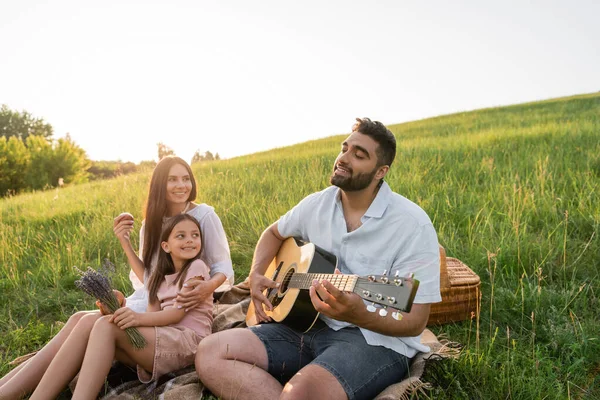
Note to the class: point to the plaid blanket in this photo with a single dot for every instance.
(230, 312)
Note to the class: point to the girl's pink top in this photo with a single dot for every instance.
(200, 318)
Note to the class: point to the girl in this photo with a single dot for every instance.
(171, 333)
(172, 191)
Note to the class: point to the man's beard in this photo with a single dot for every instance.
(353, 183)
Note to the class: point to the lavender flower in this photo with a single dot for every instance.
(98, 285)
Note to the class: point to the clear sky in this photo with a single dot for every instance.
(240, 76)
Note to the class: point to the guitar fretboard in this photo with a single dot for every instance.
(345, 283)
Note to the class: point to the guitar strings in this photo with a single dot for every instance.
(304, 280)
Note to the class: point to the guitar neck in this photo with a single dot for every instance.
(344, 283)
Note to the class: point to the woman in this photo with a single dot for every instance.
(172, 191)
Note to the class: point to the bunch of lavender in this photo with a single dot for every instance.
(97, 284)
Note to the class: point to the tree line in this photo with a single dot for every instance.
(164, 150)
(31, 159)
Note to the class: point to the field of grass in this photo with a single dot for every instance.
(514, 192)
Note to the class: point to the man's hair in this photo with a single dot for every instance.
(386, 152)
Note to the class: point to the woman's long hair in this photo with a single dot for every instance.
(165, 265)
(156, 205)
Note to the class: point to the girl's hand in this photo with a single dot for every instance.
(194, 292)
(122, 226)
(125, 318)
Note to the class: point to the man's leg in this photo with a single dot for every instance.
(233, 365)
(314, 382)
(346, 367)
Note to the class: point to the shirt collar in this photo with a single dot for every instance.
(381, 201)
(379, 204)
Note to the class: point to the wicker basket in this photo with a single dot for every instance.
(460, 289)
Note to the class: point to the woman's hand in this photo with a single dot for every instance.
(122, 226)
(120, 298)
(258, 283)
(194, 292)
(125, 318)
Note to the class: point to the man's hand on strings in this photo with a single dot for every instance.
(258, 283)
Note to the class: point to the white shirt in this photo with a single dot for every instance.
(215, 253)
(396, 235)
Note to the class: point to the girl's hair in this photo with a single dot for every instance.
(165, 265)
(156, 205)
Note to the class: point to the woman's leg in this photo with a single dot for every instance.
(106, 341)
(67, 361)
(23, 379)
(13, 372)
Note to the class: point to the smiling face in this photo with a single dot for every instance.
(184, 242)
(356, 167)
(179, 185)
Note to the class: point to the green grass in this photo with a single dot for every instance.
(513, 192)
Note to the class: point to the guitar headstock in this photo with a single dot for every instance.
(394, 292)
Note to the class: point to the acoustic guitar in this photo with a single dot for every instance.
(298, 263)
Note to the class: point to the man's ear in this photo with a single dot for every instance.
(382, 171)
(165, 247)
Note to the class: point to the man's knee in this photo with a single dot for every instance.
(313, 382)
(234, 344)
(206, 354)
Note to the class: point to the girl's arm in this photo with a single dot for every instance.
(126, 318)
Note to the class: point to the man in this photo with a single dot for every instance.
(349, 352)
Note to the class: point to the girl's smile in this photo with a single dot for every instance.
(184, 242)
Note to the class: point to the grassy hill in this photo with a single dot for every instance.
(513, 192)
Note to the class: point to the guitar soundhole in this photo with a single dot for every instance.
(279, 295)
(285, 282)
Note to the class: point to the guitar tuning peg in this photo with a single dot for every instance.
(371, 307)
(397, 315)
(397, 274)
(383, 312)
(384, 272)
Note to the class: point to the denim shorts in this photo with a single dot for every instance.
(363, 370)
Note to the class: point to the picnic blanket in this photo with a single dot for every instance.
(230, 312)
